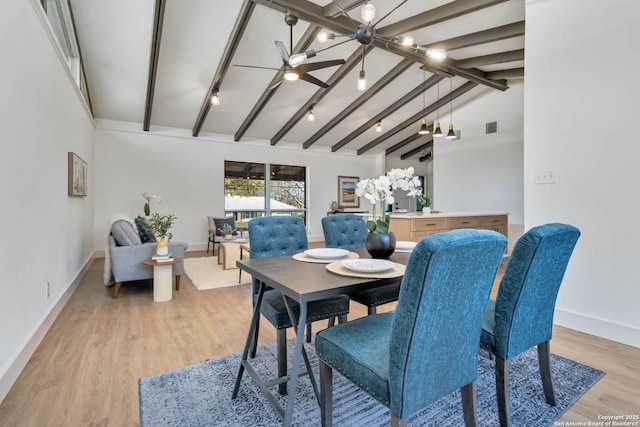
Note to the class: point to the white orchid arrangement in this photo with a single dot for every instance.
(149, 197)
(379, 191)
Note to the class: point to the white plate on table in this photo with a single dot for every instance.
(405, 246)
(326, 253)
(367, 265)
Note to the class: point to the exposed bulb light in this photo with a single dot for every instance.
(362, 81)
(299, 58)
(406, 41)
(215, 99)
(379, 127)
(368, 13)
(310, 116)
(438, 132)
(324, 37)
(424, 130)
(291, 76)
(437, 54)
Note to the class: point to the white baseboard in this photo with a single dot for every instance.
(9, 377)
(624, 334)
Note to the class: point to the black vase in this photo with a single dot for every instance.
(380, 245)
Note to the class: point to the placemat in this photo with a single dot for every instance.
(306, 258)
(337, 268)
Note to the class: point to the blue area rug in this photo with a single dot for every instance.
(200, 395)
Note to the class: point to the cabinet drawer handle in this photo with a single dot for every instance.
(431, 225)
(495, 220)
(465, 222)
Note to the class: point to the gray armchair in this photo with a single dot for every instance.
(126, 261)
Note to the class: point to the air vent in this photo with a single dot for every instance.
(491, 127)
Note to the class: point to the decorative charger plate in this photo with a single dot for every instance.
(326, 253)
(338, 268)
(405, 246)
(368, 265)
(301, 256)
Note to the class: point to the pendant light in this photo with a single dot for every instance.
(451, 134)
(362, 82)
(438, 132)
(424, 130)
(379, 126)
(215, 99)
(310, 116)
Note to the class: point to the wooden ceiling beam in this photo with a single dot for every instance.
(507, 31)
(408, 140)
(416, 150)
(511, 73)
(437, 15)
(361, 100)
(495, 58)
(225, 62)
(413, 119)
(423, 86)
(156, 38)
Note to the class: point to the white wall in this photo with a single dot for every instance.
(483, 173)
(581, 94)
(189, 175)
(47, 235)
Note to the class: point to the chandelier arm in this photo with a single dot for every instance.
(337, 44)
(355, 24)
(392, 10)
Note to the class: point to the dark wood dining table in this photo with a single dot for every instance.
(302, 282)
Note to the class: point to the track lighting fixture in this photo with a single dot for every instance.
(379, 126)
(215, 99)
(310, 116)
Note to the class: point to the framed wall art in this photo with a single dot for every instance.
(347, 192)
(77, 176)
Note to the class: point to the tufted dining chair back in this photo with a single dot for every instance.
(521, 316)
(344, 231)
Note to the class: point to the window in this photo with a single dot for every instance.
(247, 184)
(59, 17)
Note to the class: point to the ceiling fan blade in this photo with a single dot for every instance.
(275, 85)
(309, 78)
(318, 65)
(283, 52)
(256, 66)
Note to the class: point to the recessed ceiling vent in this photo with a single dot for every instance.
(491, 127)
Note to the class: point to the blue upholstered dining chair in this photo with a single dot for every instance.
(349, 231)
(522, 314)
(428, 347)
(279, 236)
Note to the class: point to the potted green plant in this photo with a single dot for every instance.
(425, 202)
(160, 224)
(227, 230)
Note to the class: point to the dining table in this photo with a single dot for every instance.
(302, 282)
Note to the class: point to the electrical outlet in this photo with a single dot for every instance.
(544, 176)
(48, 290)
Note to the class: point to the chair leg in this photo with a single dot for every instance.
(469, 405)
(208, 243)
(342, 319)
(178, 282)
(282, 359)
(372, 310)
(326, 394)
(503, 392)
(544, 361)
(332, 322)
(254, 341)
(397, 422)
(309, 332)
(116, 290)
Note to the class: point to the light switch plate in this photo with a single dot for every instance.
(545, 176)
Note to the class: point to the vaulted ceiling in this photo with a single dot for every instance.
(158, 62)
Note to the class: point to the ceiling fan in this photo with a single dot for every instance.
(292, 70)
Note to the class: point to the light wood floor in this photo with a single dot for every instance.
(86, 370)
